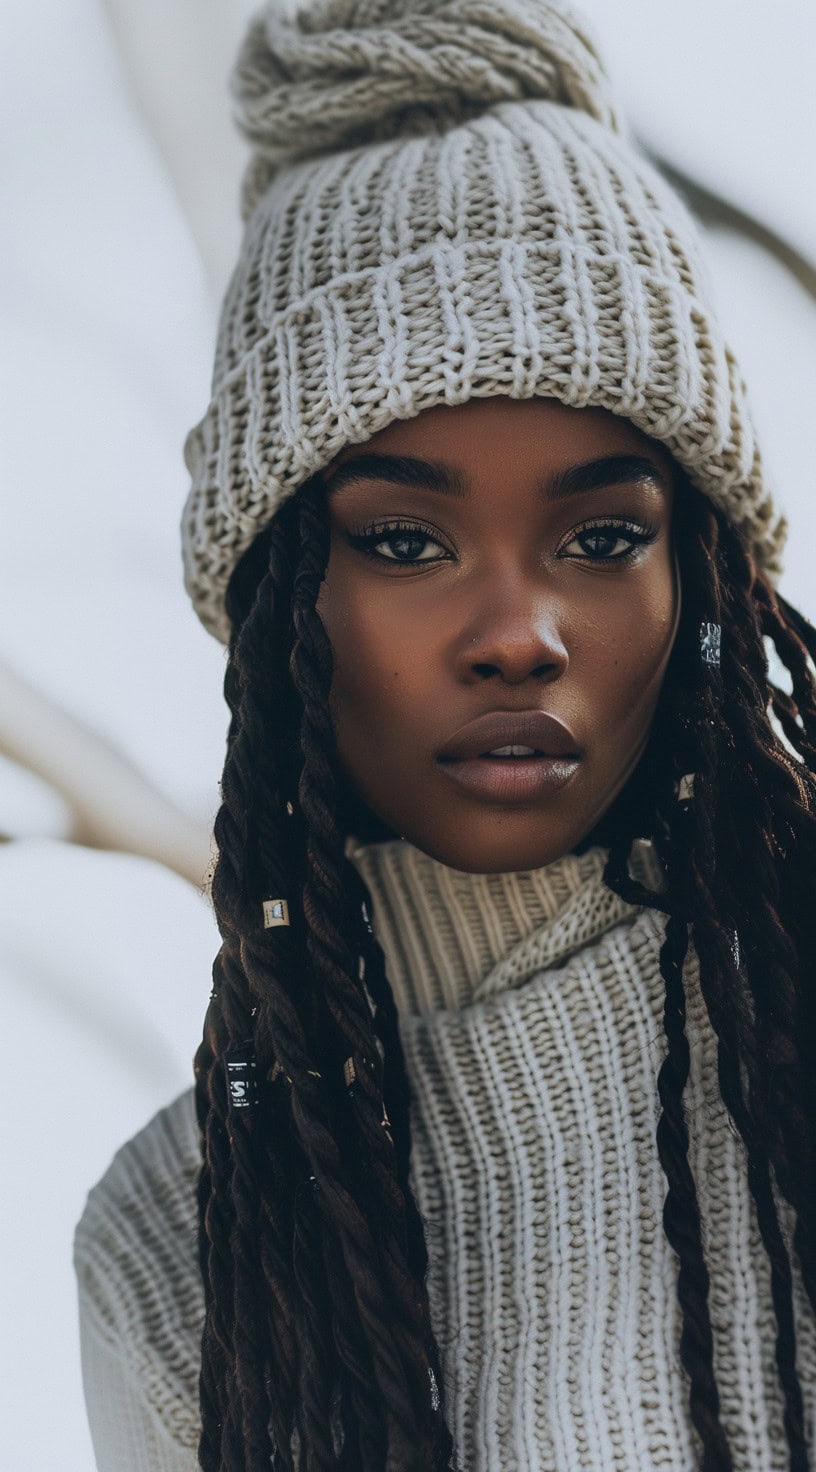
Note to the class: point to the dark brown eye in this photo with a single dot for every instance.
(396, 543)
(601, 544)
(415, 548)
(611, 541)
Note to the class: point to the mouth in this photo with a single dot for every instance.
(511, 757)
(511, 753)
(510, 780)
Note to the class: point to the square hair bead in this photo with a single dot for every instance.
(241, 1079)
(275, 912)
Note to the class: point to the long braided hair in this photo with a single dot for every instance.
(317, 1350)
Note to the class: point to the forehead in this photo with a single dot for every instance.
(536, 433)
(524, 440)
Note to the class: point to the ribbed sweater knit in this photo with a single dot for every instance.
(530, 1009)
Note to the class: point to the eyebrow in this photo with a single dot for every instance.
(432, 475)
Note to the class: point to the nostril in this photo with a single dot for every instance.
(487, 671)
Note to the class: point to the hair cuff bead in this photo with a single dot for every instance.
(240, 1066)
(275, 912)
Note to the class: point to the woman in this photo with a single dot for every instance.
(500, 1152)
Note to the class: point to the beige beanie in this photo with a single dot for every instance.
(442, 204)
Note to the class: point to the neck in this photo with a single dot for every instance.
(452, 939)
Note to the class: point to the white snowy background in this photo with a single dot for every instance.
(119, 225)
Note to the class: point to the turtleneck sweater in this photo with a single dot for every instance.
(530, 1012)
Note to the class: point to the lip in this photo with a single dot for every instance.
(517, 779)
(535, 728)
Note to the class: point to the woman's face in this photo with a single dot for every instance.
(501, 601)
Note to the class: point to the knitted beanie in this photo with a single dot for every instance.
(442, 203)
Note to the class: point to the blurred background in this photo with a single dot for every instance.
(119, 227)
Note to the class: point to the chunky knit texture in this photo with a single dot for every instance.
(441, 204)
(530, 1012)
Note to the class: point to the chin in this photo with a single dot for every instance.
(494, 845)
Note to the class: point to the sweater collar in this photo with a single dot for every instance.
(451, 939)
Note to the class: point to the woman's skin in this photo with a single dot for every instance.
(442, 607)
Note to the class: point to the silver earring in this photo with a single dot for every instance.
(710, 640)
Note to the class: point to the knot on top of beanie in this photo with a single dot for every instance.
(343, 73)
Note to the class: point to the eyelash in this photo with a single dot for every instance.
(369, 538)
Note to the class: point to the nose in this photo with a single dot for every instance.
(513, 634)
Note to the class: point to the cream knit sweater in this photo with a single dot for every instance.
(531, 1017)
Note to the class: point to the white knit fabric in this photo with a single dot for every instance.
(531, 1017)
(441, 205)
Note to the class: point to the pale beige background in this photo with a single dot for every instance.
(119, 223)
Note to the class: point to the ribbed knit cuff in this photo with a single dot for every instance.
(500, 316)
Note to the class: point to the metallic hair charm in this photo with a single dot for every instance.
(350, 1079)
(434, 1390)
(710, 638)
(278, 1071)
(275, 912)
(684, 789)
(240, 1066)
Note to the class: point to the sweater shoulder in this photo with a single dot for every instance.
(136, 1261)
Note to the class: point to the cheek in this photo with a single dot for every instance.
(633, 649)
(377, 673)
